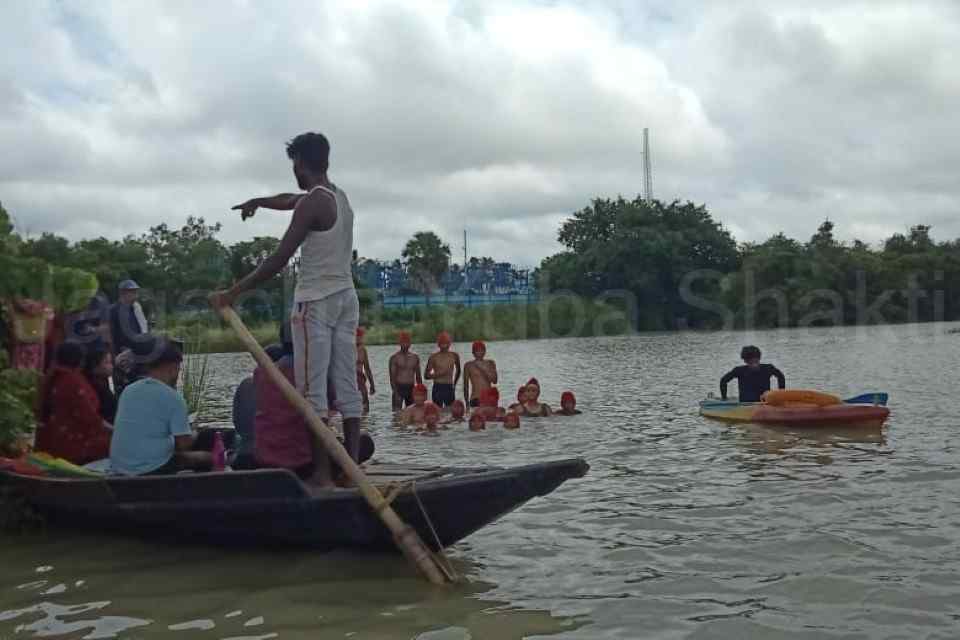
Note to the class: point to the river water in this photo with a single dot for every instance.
(684, 528)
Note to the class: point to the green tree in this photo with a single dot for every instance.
(647, 249)
(187, 259)
(426, 258)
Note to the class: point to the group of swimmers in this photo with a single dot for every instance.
(444, 368)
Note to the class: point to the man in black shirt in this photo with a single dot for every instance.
(753, 378)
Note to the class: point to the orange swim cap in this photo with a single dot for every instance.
(430, 408)
(404, 337)
(478, 346)
(568, 395)
(420, 389)
(444, 338)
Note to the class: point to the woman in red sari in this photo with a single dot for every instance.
(70, 423)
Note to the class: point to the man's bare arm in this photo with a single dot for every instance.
(417, 371)
(280, 202)
(495, 377)
(368, 372)
(456, 360)
(317, 213)
(393, 372)
(428, 370)
(466, 382)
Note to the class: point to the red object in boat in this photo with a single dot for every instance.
(837, 414)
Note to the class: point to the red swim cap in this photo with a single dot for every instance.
(444, 338)
(429, 407)
(533, 381)
(420, 389)
(478, 346)
(568, 395)
(404, 337)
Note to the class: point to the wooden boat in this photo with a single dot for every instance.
(844, 414)
(272, 506)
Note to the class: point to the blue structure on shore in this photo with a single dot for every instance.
(483, 282)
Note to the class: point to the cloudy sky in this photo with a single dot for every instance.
(498, 117)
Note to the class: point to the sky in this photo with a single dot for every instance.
(501, 118)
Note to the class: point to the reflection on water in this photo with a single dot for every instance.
(684, 528)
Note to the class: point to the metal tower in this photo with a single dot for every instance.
(647, 168)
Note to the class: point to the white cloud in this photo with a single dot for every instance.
(498, 117)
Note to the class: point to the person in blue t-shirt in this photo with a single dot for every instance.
(152, 434)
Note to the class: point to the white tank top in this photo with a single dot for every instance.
(326, 257)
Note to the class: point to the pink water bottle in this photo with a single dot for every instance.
(219, 452)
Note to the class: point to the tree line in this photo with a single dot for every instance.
(677, 267)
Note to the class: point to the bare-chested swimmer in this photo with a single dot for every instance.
(443, 367)
(478, 374)
(404, 373)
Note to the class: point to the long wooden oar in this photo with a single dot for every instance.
(406, 537)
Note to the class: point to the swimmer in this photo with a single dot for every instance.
(364, 375)
(568, 405)
(477, 422)
(753, 378)
(478, 373)
(489, 405)
(404, 373)
(457, 411)
(443, 367)
(431, 418)
(414, 413)
(511, 421)
(532, 407)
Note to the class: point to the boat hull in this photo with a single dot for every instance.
(272, 507)
(845, 415)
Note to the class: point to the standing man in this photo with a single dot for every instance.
(404, 373)
(443, 367)
(364, 374)
(127, 320)
(326, 311)
(480, 373)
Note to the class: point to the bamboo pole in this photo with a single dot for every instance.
(405, 536)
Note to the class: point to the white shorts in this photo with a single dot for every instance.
(324, 348)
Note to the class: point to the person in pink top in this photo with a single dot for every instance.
(282, 438)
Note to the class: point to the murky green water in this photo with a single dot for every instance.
(684, 528)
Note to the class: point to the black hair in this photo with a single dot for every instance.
(95, 355)
(749, 352)
(167, 352)
(70, 354)
(311, 149)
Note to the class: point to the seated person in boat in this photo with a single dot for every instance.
(477, 422)
(753, 378)
(282, 439)
(568, 405)
(478, 374)
(245, 411)
(98, 369)
(414, 414)
(71, 426)
(431, 418)
(530, 405)
(152, 433)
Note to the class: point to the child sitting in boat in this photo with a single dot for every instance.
(568, 405)
(414, 414)
(753, 378)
